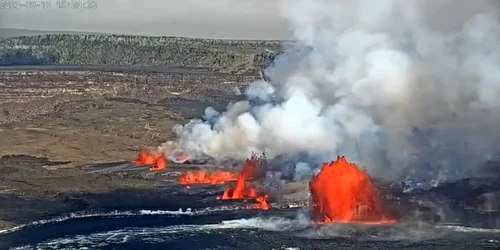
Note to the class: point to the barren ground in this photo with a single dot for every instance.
(54, 124)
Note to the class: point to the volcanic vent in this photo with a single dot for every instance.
(155, 160)
(241, 191)
(341, 192)
(204, 177)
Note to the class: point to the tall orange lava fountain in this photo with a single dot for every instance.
(341, 192)
(147, 158)
(241, 192)
(203, 177)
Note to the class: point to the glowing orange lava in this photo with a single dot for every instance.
(148, 158)
(341, 192)
(260, 203)
(240, 191)
(203, 177)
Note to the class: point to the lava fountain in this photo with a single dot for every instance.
(343, 193)
(240, 191)
(157, 160)
(204, 177)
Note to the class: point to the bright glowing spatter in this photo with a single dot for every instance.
(157, 160)
(240, 191)
(204, 177)
(341, 192)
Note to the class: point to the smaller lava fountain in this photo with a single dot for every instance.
(260, 203)
(203, 177)
(241, 191)
(157, 160)
(343, 193)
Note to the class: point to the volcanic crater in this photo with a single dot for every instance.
(85, 140)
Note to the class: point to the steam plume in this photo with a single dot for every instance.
(384, 82)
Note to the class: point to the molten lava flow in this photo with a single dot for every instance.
(202, 177)
(161, 164)
(260, 203)
(147, 158)
(343, 193)
(241, 192)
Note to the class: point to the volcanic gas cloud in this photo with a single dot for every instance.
(173, 153)
(341, 192)
(157, 160)
(383, 82)
(240, 191)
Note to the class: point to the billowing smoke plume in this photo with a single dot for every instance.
(403, 88)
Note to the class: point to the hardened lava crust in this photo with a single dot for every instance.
(55, 121)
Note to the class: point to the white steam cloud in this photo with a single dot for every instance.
(383, 82)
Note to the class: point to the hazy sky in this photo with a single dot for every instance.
(253, 19)
(250, 19)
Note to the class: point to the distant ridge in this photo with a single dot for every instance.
(12, 32)
(78, 48)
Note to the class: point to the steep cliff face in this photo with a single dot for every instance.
(231, 56)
